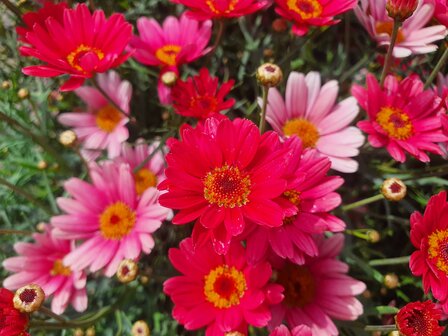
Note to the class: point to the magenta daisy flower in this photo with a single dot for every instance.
(224, 173)
(41, 263)
(310, 112)
(318, 291)
(221, 293)
(102, 126)
(403, 117)
(109, 216)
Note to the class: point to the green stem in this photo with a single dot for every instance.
(13, 8)
(119, 323)
(362, 202)
(154, 152)
(108, 98)
(386, 328)
(390, 261)
(436, 70)
(49, 313)
(389, 56)
(15, 232)
(263, 109)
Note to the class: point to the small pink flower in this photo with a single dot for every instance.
(41, 263)
(102, 126)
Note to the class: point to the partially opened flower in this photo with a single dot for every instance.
(12, 321)
(102, 126)
(419, 319)
(413, 37)
(308, 13)
(402, 117)
(310, 112)
(57, 280)
(301, 330)
(108, 215)
(318, 291)
(77, 43)
(219, 293)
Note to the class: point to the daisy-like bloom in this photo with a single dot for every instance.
(310, 112)
(152, 172)
(403, 117)
(308, 13)
(413, 37)
(102, 126)
(221, 293)
(77, 43)
(312, 192)
(41, 263)
(200, 97)
(429, 235)
(12, 321)
(224, 173)
(419, 319)
(318, 291)
(441, 12)
(219, 9)
(282, 330)
(108, 215)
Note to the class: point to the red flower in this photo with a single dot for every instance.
(200, 96)
(401, 9)
(419, 319)
(12, 322)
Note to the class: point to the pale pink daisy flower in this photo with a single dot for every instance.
(318, 291)
(311, 113)
(413, 37)
(102, 126)
(41, 263)
(108, 215)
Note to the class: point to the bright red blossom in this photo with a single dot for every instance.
(200, 97)
(419, 319)
(12, 322)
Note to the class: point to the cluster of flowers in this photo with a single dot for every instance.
(264, 246)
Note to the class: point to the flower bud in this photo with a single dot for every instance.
(78, 332)
(140, 328)
(127, 271)
(233, 333)
(23, 93)
(269, 75)
(29, 298)
(393, 189)
(42, 165)
(373, 236)
(90, 331)
(391, 281)
(401, 9)
(279, 25)
(169, 78)
(67, 138)
(7, 84)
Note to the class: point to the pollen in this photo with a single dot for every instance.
(60, 269)
(168, 54)
(144, 179)
(107, 118)
(224, 286)
(230, 6)
(438, 249)
(307, 9)
(117, 221)
(395, 123)
(386, 27)
(75, 55)
(299, 284)
(227, 187)
(305, 130)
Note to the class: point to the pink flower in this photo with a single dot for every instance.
(412, 38)
(441, 12)
(41, 263)
(224, 173)
(301, 330)
(220, 293)
(108, 215)
(309, 13)
(318, 291)
(401, 9)
(218, 9)
(102, 125)
(312, 192)
(310, 112)
(403, 117)
(78, 43)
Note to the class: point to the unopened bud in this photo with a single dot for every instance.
(67, 138)
(127, 271)
(233, 333)
(279, 25)
(144, 279)
(391, 281)
(23, 93)
(268, 52)
(41, 227)
(140, 328)
(78, 332)
(90, 331)
(393, 189)
(6, 84)
(169, 78)
(29, 298)
(401, 9)
(394, 333)
(373, 236)
(269, 75)
(42, 165)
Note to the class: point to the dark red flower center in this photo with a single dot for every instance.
(395, 187)
(28, 296)
(299, 284)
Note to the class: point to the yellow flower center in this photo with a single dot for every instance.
(294, 197)
(168, 54)
(299, 284)
(307, 9)
(438, 249)
(227, 187)
(144, 179)
(229, 9)
(395, 122)
(75, 55)
(107, 118)
(117, 221)
(224, 286)
(386, 27)
(60, 269)
(304, 129)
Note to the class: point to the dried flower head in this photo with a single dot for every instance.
(393, 189)
(140, 328)
(67, 138)
(401, 9)
(29, 298)
(419, 319)
(127, 271)
(269, 74)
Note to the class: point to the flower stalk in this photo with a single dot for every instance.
(437, 69)
(389, 56)
(363, 202)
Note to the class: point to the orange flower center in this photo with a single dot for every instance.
(395, 122)
(294, 197)
(299, 284)
(438, 249)
(74, 57)
(229, 9)
(117, 221)
(107, 118)
(208, 103)
(386, 27)
(224, 286)
(304, 129)
(144, 179)
(227, 187)
(168, 54)
(60, 269)
(307, 9)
